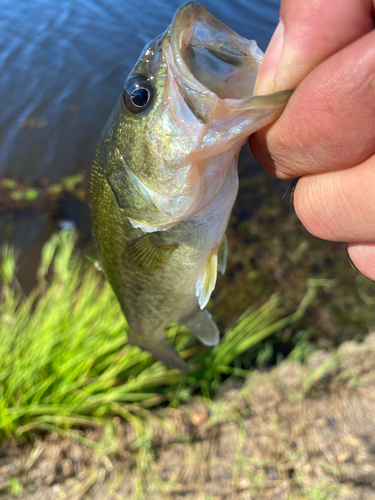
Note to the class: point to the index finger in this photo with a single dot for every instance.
(314, 31)
(328, 123)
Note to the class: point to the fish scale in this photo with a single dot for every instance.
(164, 177)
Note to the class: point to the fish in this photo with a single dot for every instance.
(164, 176)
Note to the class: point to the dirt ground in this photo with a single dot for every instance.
(295, 432)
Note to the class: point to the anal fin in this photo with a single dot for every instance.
(201, 324)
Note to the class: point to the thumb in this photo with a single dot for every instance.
(266, 76)
(309, 33)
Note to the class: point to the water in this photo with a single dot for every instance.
(63, 64)
(62, 67)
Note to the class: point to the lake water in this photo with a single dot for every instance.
(62, 68)
(63, 64)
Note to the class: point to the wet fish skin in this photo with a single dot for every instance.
(164, 180)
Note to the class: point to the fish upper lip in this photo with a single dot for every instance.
(206, 102)
(174, 33)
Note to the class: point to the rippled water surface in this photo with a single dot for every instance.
(63, 64)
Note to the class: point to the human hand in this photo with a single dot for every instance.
(326, 134)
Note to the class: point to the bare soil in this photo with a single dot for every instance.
(294, 432)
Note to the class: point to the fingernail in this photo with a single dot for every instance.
(266, 76)
(293, 188)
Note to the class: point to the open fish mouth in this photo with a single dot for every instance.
(212, 64)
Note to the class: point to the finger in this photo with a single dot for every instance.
(363, 257)
(309, 33)
(339, 206)
(329, 121)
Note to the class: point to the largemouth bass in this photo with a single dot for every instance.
(164, 177)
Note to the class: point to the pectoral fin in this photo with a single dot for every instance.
(149, 253)
(207, 281)
(202, 325)
(161, 349)
(222, 255)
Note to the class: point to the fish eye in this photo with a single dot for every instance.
(138, 93)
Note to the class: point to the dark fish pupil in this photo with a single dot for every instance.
(140, 97)
(138, 94)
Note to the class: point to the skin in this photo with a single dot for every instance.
(326, 134)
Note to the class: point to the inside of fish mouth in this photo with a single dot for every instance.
(221, 63)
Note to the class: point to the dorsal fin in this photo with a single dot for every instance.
(201, 324)
(222, 255)
(207, 281)
(149, 252)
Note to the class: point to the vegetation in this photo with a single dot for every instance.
(65, 361)
(66, 370)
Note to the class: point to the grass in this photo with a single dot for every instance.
(65, 360)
